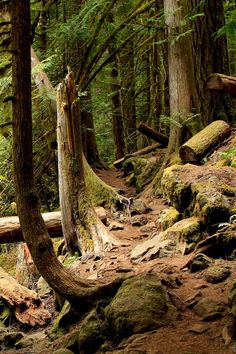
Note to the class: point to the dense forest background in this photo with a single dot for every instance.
(136, 61)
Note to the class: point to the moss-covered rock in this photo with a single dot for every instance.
(216, 274)
(66, 317)
(141, 304)
(91, 333)
(168, 218)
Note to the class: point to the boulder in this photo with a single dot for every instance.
(199, 262)
(91, 333)
(205, 191)
(139, 220)
(172, 240)
(216, 274)
(140, 305)
(209, 309)
(138, 206)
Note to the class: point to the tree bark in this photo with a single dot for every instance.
(211, 56)
(204, 142)
(223, 83)
(80, 293)
(28, 308)
(153, 134)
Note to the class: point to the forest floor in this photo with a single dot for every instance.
(188, 334)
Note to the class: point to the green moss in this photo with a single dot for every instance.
(168, 218)
(8, 257)
(141, 304)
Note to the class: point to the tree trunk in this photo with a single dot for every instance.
(204, 142)
(81, 293)
(211, 56)
(181, 83)
(128, 96)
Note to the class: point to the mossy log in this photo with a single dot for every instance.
(28, 308)
(153, 134)
(222, 83)
(118, 163)
(204, 142)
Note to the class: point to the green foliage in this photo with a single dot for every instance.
(229, 156)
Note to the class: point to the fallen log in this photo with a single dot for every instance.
(146, 150)
(10, 229)
(27, 306)
(153, 134)
(222, 83)
(204, 142)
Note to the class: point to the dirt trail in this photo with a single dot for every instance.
(189, 334)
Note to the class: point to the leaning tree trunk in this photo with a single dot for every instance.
(80, 293)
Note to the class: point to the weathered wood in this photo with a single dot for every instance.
(10, 229)
(222, 83)
(153, 134)
(27, 306)
(146, 150)
(204, 142)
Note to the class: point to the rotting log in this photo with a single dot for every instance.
(204, 142)
(118, 163)
(27, 306)
(153, 134)
(10, 229)
(222, 83)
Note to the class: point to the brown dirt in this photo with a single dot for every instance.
(177, 337)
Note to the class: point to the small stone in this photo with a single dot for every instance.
(216, 274)
(139, 207)
(199, 262)
(198, 328)
(148, 228)
(139, 220)
(209, 309)
(114, 226)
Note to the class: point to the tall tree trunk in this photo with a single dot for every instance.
(128, 96)
(181, 90)
(211, 56)
(80, 293)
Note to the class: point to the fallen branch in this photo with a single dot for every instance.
(153, 134)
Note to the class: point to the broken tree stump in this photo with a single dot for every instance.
(153, 134)
(27, 306)
(204, 142)
(146, 150)
(222, 83)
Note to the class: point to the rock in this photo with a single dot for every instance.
(91, 333)
(114, 226)
(198, 328)
(43, 288)
(199, 262)
(139, 220)
(71, 342)
(101, 213)
(204, 191)
(141, 304)
(172, 240)
(168, 217)
(63, 351)
(29, 340)
(11, 338)
(193, 300)
(148, 228)
(216, 274)
(65, 317)
(138, 206)
(233, 300)
(209, 309)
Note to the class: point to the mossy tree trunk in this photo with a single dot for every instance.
(81, 293)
